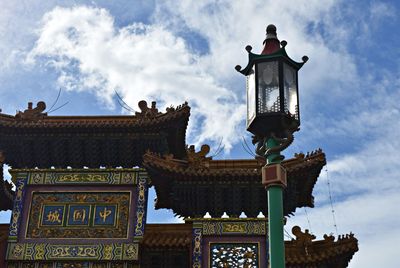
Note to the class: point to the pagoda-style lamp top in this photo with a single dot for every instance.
(272, 89)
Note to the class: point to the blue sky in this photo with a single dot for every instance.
(173, 52)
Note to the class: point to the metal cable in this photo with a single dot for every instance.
(288, 235)
(331, 200)
(308, 220)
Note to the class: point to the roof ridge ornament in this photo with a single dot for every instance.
(152, 112)
(303, 237)
(147, 112)
(198, 159)
(177, 108)
(33, 113)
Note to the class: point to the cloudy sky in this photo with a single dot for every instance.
(177, 51)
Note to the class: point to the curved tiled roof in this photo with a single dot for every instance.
(33, 139)
(198, 179)
(302, 252)
(167, 236)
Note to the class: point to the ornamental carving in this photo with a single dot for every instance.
(316, 153)
(239, 227)
(132, 251)
(61, 251)
(86, 177)
(17, 210)
(147, 112)
(33, 113)
(141, 206)
(198, 159)
(304, 238)
(197, 245)
(234, 255)
(231, 227)
(98, 252)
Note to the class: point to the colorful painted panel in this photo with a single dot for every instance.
(18, 207)
(234, 255)
(83, 215)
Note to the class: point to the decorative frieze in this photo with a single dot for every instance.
(83, 176)
(53, 252)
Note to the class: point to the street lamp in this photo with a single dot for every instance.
(272, 116)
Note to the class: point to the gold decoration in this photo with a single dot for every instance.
(108, 252)
(209, 228)
(239, 227)
(131, 251)
(40, 251)
(82, 178)
(53, 216)
(62, 251)
(79, 215)
(104, 214)
(17, 251)
(36, 178)
(18, 203)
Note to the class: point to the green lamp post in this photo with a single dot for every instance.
(272, 117)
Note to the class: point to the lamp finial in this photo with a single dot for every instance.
(271, 42)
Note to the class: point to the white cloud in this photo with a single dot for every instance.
(365, 183)
(381, 10)
(154, 61)
(140, 62)
(372, 217)
(230, 25)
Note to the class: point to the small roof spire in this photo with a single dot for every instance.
(271, 42)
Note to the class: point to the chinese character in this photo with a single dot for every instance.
(104, 214)
(79, 215)
(53, 216)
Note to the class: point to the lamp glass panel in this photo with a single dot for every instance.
(251, 95)
(290, 90)
(268, 87)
